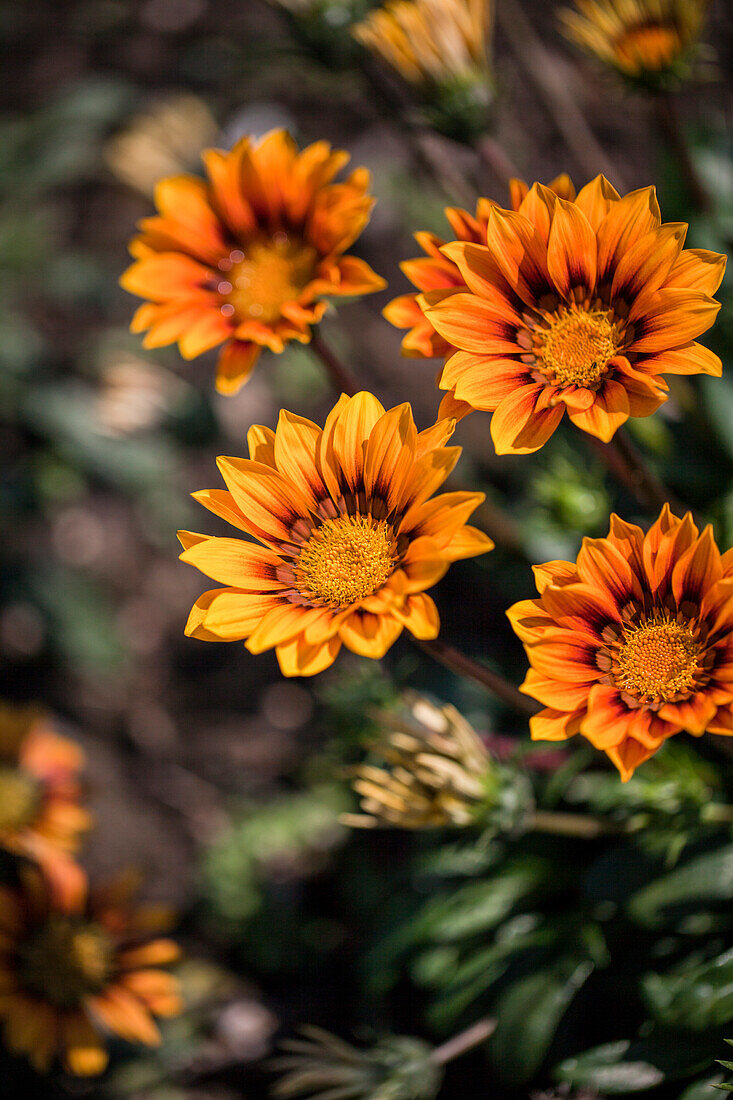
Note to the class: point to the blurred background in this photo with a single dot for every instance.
(206, 769)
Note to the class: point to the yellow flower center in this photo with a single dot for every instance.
(577, 348)
(651, 46)
(66, 960)
(19, 798)
(658, 659)
(345, 560)
(264, 275)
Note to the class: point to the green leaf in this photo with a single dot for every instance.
(694, 996)
(529, 1013)
(707, 878)
(635, 1066)
(703, 1090)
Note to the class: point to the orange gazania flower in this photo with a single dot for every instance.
(574, 305)
(633, 642)
(40, 787)
(71, 969)
(436, 271)
(349, 538)
(245, 257)
(643, 39)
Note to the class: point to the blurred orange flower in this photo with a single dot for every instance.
(573, 305)
(633, 642)
(245, 257)
(71, 968)
(438, 272)
(40, 788)
(643, 39)
(350, 539)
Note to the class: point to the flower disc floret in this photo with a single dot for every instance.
(66, 960)
(576, 348)
(658, 659)
(345, 560)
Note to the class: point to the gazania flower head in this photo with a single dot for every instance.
(647, 41)
(349, 536)
(435, 271)
(443, 48)
(633, 642)
(319, 1066)
(437, 770)
(40, 786)
(246, 257)
(71, 969)
(577, 306)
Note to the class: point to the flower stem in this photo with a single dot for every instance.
(543, 71)
(465, 1040)
(629, 466)
(670, 123)
(495, 159)
(459, 663)
(561, 824)
(340, 376)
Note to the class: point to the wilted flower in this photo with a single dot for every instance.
(69, 968)
(646, 40)
(40, 787)
(438, 771)
(165, 139)
(633, 642)
(246, 257)
(577, 306)
(443, 47)
(348, 537)
(322, 1067)
(437, 272)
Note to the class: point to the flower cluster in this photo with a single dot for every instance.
(74, 961)
(568, 302)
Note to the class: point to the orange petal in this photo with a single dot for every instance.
(243, 565)
(517, 427)
(607, 413)
(235, 365)
(84, 1054)
(369, 635)
(571, 250)
(673, 317)
(297, 658)
(554, 725)
(420, 615)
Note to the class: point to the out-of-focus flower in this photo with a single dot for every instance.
(246, 257)
(166, 139)
(577, 306)
(71, 969)
(350, 540)
(633, 642)
(438, 272)
(649, 41)
(443, 47)
(40, 787)
(134, 394)
(320, 1066)
(438, 772)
